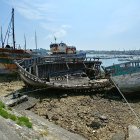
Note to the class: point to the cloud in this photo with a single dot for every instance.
(29, 13)
(58, 32)
(32, 9)
(43, 12)
(66, 26)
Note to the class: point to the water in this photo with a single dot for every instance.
(106, 62)
(109, 62)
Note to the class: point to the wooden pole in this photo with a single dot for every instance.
(2, 38)
(13, 29)
(36, 41)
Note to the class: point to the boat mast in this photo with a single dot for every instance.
(13, 30)
(2, 39)
(55, 39)
(36, 41)
(25, 42)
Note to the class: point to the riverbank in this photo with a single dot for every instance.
(94, 116)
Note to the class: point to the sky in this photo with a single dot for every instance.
(86, 24)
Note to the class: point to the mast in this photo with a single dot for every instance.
(36, 41)
(13, 30)
(55, 39)
(25, 42)
(2, 38)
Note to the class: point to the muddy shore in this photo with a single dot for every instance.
(97, 116)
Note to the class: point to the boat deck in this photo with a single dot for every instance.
(70, 80)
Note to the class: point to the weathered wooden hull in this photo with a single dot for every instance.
(31, 82)
(7, 57)
(7, 68)
(129, 83)
(34, 74)
(126, 76)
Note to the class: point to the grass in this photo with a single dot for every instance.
(2, 105)
(4, 113)
(12, 117)
(22, 121)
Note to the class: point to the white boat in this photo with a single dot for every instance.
(65, 51)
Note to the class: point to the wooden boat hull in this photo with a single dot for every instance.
(126, 76)
(58, 75)
(129, 83)
(7, 68)
(31, 82)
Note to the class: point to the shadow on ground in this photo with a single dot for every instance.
(112, 94)
(9, 77)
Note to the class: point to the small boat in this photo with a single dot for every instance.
(126, 76)
(62, 74)
(10, 53)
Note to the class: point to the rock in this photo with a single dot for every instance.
(55, 117)
(16, 101)
(64, 96)
(95, 125)
(96, 114)
(118, 136)
(102, 117)
(133, 133)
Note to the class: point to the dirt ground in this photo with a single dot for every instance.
(7, 85)
(95, 116)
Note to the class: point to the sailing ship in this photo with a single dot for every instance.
(62, 74)
(10, 53)
(126, 76)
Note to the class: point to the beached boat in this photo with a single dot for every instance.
(62, 74)
(10, 53)
(126, 76)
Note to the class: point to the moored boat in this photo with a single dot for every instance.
(126, 76)
(65, 51)
(7, 57)
(10, 53)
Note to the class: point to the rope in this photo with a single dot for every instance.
(137, 117)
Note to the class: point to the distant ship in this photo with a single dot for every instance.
(10, 53)
(65, 51)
